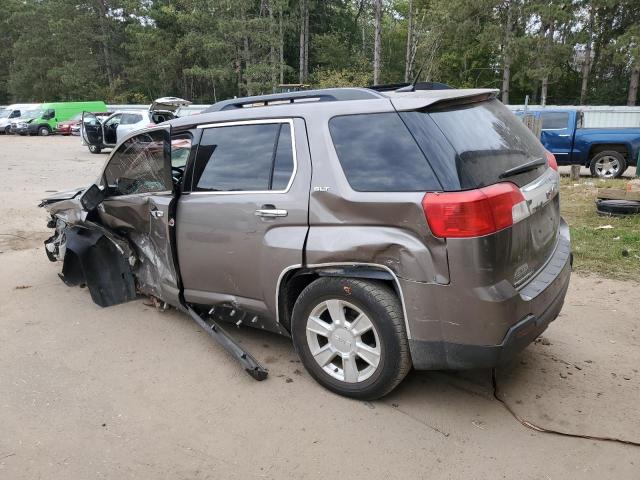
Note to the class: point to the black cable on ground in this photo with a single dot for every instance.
(532, 426)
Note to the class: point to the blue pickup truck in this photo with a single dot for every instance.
(606, 151)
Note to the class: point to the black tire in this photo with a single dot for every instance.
(44, 131)
(382, 307)
(7, 130)
(602, 156)
(94, 149)
(617, 207)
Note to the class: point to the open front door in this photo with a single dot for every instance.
(91, 130)
(139, 190)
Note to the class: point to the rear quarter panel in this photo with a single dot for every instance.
(384, 228)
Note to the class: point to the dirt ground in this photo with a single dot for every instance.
(130, 392)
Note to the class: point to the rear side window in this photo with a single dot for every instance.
(554, 120)
(379, 154)
(487, 140)
(245, 158)
(130, 118)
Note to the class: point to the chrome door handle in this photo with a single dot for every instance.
(271, 212)
(157, 213)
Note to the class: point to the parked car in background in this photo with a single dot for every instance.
(20, 125)
(49, 114)
(64, 128)
(379, 231)
(607, 152)
(99, 134)
(13, 112)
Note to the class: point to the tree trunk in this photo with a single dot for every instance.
(586, 64)
(408, 56)
(304, 40)
(102, 12)
(377, 43)
(272, 49)
(633, 84)
(281, 36)
(506, 67)
(543, 92)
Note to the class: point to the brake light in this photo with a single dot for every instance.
(474, 213)
(551, 159)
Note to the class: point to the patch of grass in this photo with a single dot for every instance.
(611, 252)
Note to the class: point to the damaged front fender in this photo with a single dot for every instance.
(94, 260)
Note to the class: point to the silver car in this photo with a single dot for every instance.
(100, 133)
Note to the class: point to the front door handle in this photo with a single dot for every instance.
(157, 213)
(271, 212)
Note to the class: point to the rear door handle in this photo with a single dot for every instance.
(271, 212)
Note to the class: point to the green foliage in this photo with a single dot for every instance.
(207, 50)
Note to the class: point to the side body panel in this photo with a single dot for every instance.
(586, 138)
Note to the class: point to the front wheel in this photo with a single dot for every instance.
(350, 335)
(608, 164)
(94, 149)
(44, 131)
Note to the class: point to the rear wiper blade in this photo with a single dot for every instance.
(525, 167)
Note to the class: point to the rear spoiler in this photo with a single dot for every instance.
(418, 100)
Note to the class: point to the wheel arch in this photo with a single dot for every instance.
(597, 148)
(294, 279)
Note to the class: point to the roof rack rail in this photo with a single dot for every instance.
(305, 96)
(390, 87)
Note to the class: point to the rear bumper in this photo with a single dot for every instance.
(538, 303)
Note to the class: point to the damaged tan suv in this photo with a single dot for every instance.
(379, 230)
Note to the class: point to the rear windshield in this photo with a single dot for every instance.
(487, 140)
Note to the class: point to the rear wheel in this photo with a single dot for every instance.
(350, 335)
(94, 149)
(608, 164)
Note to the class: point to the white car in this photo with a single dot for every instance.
(99, 133)
(13, 112)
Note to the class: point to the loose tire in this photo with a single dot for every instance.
(617, 207)
(608, 164)
(94, 149)
(350, 335)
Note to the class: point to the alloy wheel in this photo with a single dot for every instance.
(607, 167)
(343, 341)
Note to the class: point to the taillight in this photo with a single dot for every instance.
(551, 159)
(474, 213)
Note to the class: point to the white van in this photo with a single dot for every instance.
(13, 111)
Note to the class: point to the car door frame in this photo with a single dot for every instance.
(85, 136)
(271, 265)
(147, 219)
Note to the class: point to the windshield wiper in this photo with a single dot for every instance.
(525, 167)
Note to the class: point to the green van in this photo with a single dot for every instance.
(50, 114)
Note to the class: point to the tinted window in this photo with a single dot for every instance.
(378, 154)
(283, 163)
(488, 140)
(554, 120)
(243, 158)
(138, 166)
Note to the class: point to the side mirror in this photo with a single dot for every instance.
(92, 197)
